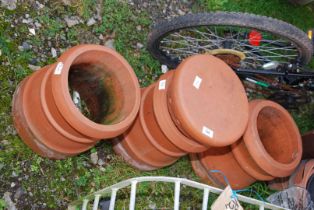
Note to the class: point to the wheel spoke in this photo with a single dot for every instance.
(186, 42)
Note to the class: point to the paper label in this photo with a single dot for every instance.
(226, 201)
(58, 69)
(208, 132)
(162, 84)
(197, 82)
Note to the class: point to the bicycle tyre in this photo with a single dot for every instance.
(267, 24)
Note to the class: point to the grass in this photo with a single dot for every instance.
(301, 16)
(56, 183)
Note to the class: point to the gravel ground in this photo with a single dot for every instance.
(163, 9)
(53, 36)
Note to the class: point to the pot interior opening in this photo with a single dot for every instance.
(95, 83)
(277, 134)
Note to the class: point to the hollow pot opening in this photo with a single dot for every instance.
(272, 138)
(97, 91)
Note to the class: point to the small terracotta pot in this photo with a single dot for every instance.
(207, 101)
(308, 145)
(272, 139)
(144, 141)
(222, 159)
(46, 117)
(164, 119)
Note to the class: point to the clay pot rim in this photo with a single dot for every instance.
(48, 114)
(256, 148)
(146, 130)
(76, 118)
(165, 122)
(194, 131)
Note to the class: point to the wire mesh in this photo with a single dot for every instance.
(178, 182)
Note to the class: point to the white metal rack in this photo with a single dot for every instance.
(95, 197)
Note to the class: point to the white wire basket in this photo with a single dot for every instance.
(95, 197)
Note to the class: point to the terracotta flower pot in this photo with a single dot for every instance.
(48, 120)
(222, 159)
(164, 119)
(272, 139)
(144, 142)
(308, 145)
(207, 101)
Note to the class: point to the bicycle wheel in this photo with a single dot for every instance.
(242, 40)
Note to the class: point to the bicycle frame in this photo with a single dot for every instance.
(274, 72)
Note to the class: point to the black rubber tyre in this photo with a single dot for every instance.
(261, 23)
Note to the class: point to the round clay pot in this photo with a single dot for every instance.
(144, 141)
(222, 159)
(164, 119)
(308, 145)
(272, 139)
(46, 117)
(207, 101)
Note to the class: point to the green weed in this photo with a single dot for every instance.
(2, 204)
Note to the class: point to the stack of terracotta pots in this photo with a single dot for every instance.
(199, 105)
(201, 109)
(67, 107)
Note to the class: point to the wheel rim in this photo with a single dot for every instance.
(259, 46)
